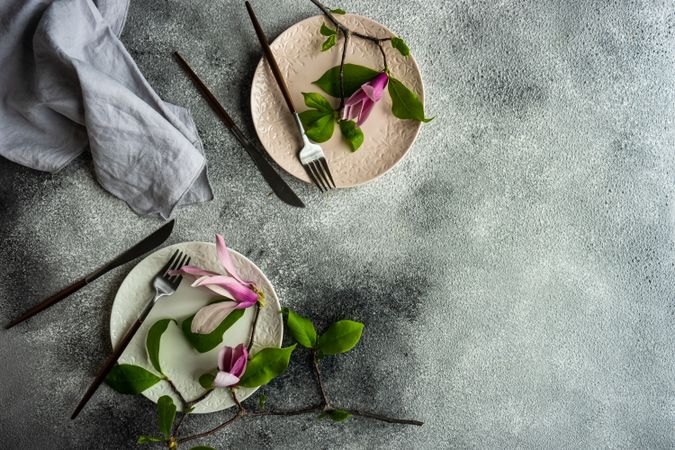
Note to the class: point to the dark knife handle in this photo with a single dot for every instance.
(270, 58)
(112, 359)
(278, 185)
(46, 303)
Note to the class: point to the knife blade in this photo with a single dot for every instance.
(150, 242)
(278, 185)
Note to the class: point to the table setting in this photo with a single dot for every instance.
(299, 224)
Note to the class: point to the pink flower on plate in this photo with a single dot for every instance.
(231, 365)
(358, 106)
(243, 293)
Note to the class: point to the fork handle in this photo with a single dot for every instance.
(270, 58)
(112, 359)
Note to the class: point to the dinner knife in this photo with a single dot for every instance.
(278, 185)
(150, 242)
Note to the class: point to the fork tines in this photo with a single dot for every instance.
(320, 174)
(177, 260)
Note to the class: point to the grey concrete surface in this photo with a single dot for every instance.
(515, 273)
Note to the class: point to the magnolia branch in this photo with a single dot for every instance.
(319, 380)
(324, 407)
(317, 408)
(239, 413)
(177, 392)
(342, 72)
(347, 32)
(327, 12)
(188, 405)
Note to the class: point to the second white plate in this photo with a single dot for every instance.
(178, 359)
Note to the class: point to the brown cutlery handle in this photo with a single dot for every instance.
(206, 92)
(270, 58)
(46, 303)
(111, 360)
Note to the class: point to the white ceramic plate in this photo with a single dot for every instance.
(298, 53)
(178, 359)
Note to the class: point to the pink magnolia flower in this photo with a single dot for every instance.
(243, 293)
(231, 365)
(358, 106)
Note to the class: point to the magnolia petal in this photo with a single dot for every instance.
(370, 92)
(374, 94)
(225, 358)
(365, 112)
(239, 350)
(240, 292)
(378, 84)
(357, 97)
(210, 316)
(352, 112)
(215, 288)
(216, 279)
(226, 261)
(346, 113)
(192, 270)
(239, 360)
(199, 280)
(247, 304)
(356, 111)
(225, 379)
(220, 291)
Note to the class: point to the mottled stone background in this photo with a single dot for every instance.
(515, 272)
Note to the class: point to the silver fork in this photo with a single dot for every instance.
(311, 155)
(314, 160)
(164, 284)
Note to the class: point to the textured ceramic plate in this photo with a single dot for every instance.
(178, 359)
(298, 52)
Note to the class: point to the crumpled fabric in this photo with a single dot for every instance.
(67, 84)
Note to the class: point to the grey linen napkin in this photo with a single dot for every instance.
(67, 84)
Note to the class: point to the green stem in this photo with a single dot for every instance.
(255, 323)
(342, 70)
(319, 380)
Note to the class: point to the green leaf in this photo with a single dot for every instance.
(266, 365)
(153, 340)
(149, 439)
(352, 134)
(340, 337)
(262, 398)
(328, 43)
(354, 77)
(319, 125)
(400, 45)
(326, 31)
(338, 415)
(338, 11)
(317, 101)
(206, 380)
(202, 447)
(405, 103)
(166, 409)
(130, 379)
(301, 328)
(205, 342)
